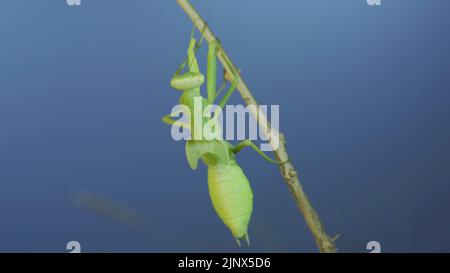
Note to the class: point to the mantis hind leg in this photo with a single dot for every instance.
(168, 120)
(230, 91)
(225, 98)
(249, 143)
(214, 49)
(233, 78)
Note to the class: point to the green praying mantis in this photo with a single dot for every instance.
(229, 188)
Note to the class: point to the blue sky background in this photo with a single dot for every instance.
(364, 95)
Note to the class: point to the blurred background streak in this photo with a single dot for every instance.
(364, 97)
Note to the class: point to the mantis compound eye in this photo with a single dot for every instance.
(189, 80)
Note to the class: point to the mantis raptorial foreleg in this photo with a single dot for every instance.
(211, 72)
(249, 143)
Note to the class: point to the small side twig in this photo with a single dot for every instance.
(323, 241)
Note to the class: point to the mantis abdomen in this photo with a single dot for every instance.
(231, 197)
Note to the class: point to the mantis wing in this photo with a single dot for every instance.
(217, 151)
